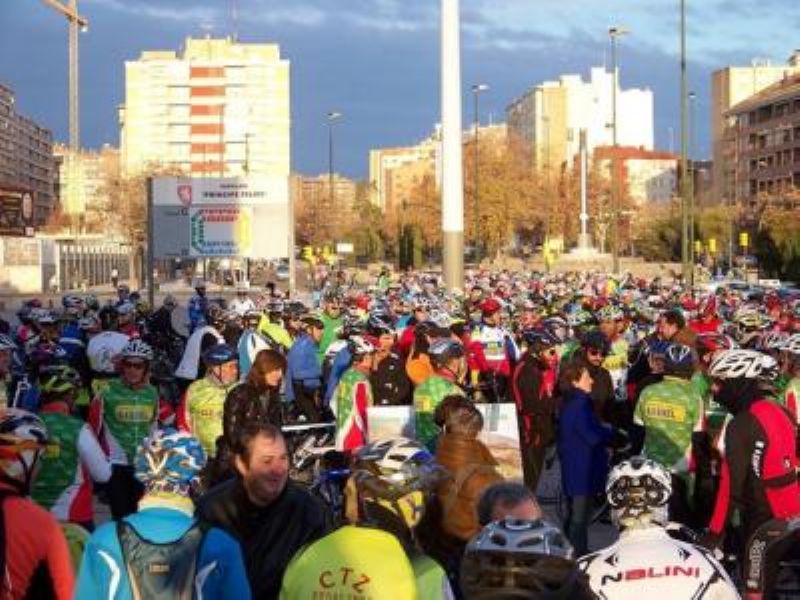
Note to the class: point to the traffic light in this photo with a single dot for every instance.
(712, 245)
(698, 247)
(744, 239)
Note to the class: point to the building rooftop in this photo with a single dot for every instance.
(787, 88)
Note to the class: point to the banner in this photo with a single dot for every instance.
(16, 212)
(389, 422)
(220, 217)
(501, 435)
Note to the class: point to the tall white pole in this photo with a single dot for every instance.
(452, 168)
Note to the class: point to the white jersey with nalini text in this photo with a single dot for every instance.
(648, 564)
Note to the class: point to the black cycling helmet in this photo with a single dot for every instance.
(679, 360)
(520, 559)
(539, 339)
(444, 350)
(596, 340)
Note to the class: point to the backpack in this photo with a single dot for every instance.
(161, 571)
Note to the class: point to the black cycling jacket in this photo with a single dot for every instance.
(269, 536)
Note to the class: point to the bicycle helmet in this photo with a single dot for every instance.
(596, 340)
(714, 342)
(610, 312)
(745, 364)
(23, 440)
(57, 379)
(773, 341)
(137, 349)
(312, 322)
(6, 343)
(91, 302)
(379, 324)
(392, 478)
(72, 301)
(219, 354)
(42, 316)
(638, 492)
(792, 345)
(490, 306)
(539, 339)
(126, 309)
(679, 360)
(442, 351)
(519, 559)
(169, 461)
(557, 327)
(440, 318)
(361, 346)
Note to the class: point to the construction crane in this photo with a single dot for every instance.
(76, 22)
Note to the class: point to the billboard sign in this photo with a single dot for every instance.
(16, 212)
(220, 217)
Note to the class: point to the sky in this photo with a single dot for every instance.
(377, 61)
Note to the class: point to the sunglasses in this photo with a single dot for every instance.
(134, 365)
(550, 352)
(594, 352)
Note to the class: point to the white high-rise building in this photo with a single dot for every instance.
(220, 108)
(551, 115)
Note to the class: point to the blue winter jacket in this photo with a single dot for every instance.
(219, 573)
(302, 365)
(582, 442)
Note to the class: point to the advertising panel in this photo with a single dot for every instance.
(220, 217)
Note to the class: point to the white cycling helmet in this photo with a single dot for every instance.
(137, 349)
(638, 491)
(359, 346)
(6, 343)
(792, 345)
(746, 364)
(773, 341)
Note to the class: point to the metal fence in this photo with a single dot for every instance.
(81, 265)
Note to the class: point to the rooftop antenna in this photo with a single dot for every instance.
(207, 28)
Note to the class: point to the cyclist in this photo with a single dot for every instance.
(198, 306)
(242, 303)
(611, 322)
(376, 556)
(759, 469)
(390, 382)
(271, 326)
(353, 396)
(447, 357)
(593, 351)
(494, 350)
(646, 562)
(162, 551)
(671, 413)
(202, 407)
(516, 558)
(791, 395)
(331, 322)
(124, 412)
(533, 387)
(35, 560)
(304, 371)
(772, 561)
(7, 350)
(74, 457)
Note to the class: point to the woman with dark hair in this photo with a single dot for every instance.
(255, 400)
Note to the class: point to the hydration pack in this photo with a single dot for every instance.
(161, 571)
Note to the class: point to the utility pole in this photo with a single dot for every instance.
(332, 117)
(75, 21)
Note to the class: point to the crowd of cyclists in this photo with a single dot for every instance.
(224, 450)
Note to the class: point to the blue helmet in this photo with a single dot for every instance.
(219, 354)
(169, 461)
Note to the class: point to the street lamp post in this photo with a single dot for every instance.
(685, 256)
(614, 33)
(333, 116)
(476, 91)
(692, 171)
